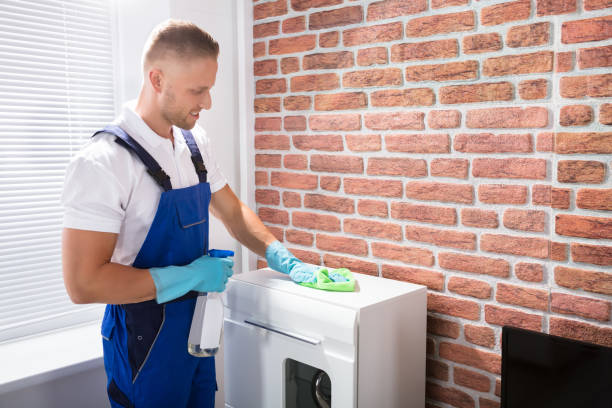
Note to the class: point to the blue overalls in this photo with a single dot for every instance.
(145, 344)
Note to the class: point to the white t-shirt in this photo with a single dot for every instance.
(108, 189)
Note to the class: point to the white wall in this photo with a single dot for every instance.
(223, 123)
(220, 122)
(218, 17)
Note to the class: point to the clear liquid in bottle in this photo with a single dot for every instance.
(206, 325)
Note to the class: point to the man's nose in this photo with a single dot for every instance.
(206, 103)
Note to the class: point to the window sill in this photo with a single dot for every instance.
(34, 360)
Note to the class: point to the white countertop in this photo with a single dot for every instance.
(369, 290)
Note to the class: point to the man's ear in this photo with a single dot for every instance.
(156, 77)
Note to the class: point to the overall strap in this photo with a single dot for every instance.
(196, 157)
(153, 168)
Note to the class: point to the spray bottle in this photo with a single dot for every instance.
(207, 322)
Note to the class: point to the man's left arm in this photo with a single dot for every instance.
(245, 226)
(241, 222)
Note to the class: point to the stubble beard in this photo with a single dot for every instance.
(172, 113)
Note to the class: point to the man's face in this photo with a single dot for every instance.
(186, 91)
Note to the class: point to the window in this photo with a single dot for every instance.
(56, 88)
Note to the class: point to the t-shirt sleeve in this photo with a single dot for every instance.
(216, 178)
(91, 197)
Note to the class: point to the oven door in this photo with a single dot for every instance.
(263, 352)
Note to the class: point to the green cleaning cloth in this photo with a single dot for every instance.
(337, 280)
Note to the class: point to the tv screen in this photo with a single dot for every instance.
(542, 370)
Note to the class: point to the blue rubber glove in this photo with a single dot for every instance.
(205, 274)
(280, 259)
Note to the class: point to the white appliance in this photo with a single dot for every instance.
(288, 346)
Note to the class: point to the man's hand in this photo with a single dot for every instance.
(205, 274)
(280, 259)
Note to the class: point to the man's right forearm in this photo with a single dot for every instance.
(90, 276)
(114, 283)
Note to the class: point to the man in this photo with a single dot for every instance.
(136, 221)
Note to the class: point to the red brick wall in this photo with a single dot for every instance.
(463, 145)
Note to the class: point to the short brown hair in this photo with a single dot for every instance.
(182, 38)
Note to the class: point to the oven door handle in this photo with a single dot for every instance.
(278, 330)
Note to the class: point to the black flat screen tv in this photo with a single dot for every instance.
(542, 370)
